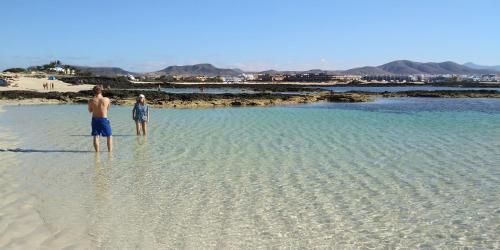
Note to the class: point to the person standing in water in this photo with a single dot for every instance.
(140, 114)
(99, 107)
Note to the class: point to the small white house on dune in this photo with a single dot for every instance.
(57, 69)
(131, 77)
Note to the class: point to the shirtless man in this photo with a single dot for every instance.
(99, 106)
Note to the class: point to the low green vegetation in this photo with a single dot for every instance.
(16, 70)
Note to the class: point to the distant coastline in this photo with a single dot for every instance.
(117, 82)
(196, 100)
(28, 89)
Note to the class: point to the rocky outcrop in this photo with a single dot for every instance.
(447, 94)
(349, 97)
(106, 82)
(162, 99)
(124, 83)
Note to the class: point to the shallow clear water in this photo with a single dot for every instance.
(235, 90)
(226, 90)
(410, 173)
(208, 90)
(399, 89)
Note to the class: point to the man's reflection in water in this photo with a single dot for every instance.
(125, 194)
(98, 229)
(145, 214)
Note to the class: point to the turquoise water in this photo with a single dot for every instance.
(408, 173)
(399, 89)
(237, 90)
(233, 90)
(208, 90)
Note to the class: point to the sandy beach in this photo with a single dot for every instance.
(24, 82)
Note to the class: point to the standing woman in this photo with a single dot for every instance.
(140, 114)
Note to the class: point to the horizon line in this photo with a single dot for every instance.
(250, 71)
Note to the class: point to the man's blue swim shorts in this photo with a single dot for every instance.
(101, 127)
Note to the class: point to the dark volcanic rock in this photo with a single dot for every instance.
(23, 94)
(112, 82)
(349, 97)
(127, 97)
(447, 94)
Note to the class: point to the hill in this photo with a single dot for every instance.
(400, 67)
(104, 71)
(292, 72)
(405, 67)
(367, 70)
(198, 69)
(476, 66)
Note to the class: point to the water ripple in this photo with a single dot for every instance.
(396, 174)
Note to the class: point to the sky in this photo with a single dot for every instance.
(148, 35)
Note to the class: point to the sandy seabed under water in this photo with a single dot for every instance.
(408, 173)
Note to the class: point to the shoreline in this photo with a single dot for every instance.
(168, 100)
(23, 82)
(121, 83)
(196, 100)
(324, 84)
(77, 83)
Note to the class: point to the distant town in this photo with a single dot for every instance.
(207, 73)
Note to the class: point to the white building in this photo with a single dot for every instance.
(249, 77)
(69, 71)
(490, 78)
(131, 77)
(231, 79)
(57, 69)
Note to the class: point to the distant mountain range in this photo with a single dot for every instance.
(401, 67)
(186, 70)
(104, 71)
(475, 66)
(291, 72)
(405, 67)
(198, 69)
